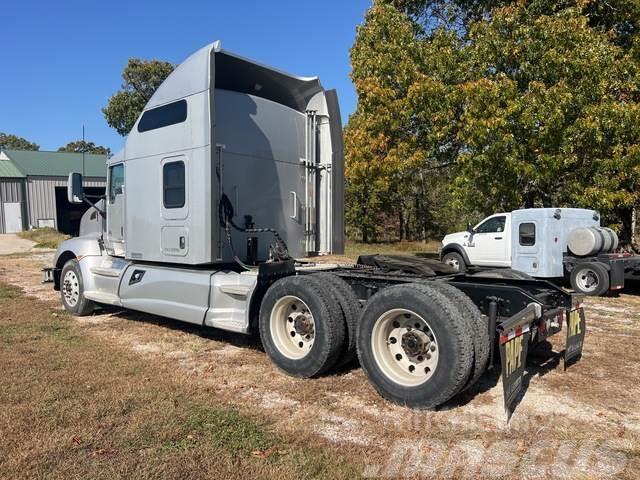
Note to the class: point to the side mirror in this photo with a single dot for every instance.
(469, 227)
(75, 192)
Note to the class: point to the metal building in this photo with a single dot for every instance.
(33, 188)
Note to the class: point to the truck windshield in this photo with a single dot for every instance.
(494, 224)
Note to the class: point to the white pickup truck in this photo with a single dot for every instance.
(549, 243)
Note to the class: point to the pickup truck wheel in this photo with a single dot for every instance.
(476, 323)
(301, 326)
(72, 290)
(414, 346)
(351, 310)
(455, 261)
(590, 278)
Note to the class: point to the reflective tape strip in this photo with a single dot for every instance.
(505, 337)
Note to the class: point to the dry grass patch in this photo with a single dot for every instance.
(44, 237)
(76, 406)
(353, 249)
(569, 425)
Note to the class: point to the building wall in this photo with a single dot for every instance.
(11, 191)
(41, 196)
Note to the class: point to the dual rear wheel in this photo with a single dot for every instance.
(418, 344)
(302, 325)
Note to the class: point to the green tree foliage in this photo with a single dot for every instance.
(483, 106)
(13, 142)
(141, 78)
(399, 139)
(80, 146)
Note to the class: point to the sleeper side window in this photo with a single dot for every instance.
(173, 184)
(527, 234)
(116, 182)
(163, 116)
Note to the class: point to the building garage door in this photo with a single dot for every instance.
(12, 217)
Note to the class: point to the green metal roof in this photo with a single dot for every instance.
(8, 168)
(57, 164)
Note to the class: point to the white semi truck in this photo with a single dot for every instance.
(232, 172)
(553, 243)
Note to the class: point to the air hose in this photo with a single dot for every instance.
(226, 214)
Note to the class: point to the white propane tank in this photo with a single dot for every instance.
(587, 241)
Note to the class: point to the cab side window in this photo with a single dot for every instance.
(116, 182)
(493, 225)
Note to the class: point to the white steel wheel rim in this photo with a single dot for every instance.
(453, 262)
(393, 341)
(71, 288)
(292, 327)
(587, 280)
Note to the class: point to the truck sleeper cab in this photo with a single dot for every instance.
(232, 171)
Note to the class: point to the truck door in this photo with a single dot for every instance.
(174, 232)
(115, 238)
(525, 247)
(489, 244)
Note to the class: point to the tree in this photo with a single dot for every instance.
(551, 113)
(400, 139)
(13, 142)
(88, 147)
(515, 104)
(141, 78)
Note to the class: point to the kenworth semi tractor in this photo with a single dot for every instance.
(232, 174)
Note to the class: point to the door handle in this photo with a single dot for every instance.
(294, 205)
(497, 238)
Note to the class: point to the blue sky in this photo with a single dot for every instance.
(62, 60)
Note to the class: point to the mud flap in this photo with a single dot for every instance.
(513, 355)
(576, 328)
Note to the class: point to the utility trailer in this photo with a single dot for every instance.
(235, 169)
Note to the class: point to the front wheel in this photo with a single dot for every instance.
(72, 290)
(455, 261)
(590, 278)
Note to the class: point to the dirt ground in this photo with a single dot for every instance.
(582, 423)
(11, 243)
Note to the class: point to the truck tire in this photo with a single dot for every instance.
(72, 290)
(301, 326)
(351, 310)
(477, 324)
(455, 261)
(590, 278)
(414, 346)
